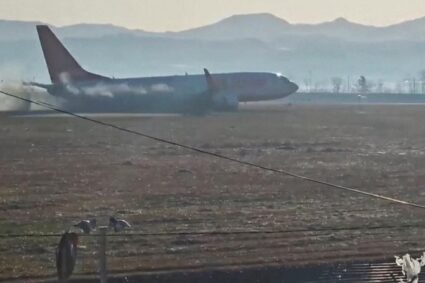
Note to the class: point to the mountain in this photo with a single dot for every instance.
(414, 29)
(260, 42)
(266, 27)
(16, 30)
(340, 28)
(259, 26)
(269, 27)
(97, 30)
(294, 56)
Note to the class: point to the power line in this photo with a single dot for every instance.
(217, 155)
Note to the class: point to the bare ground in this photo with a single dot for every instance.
(56, 171)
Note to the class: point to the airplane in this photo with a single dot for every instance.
(83, 91)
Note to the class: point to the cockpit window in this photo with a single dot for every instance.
(282, 77)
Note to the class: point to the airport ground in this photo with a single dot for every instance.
(56, 171)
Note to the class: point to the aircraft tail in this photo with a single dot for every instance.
(63, 68)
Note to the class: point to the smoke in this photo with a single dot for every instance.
(102, 89)
(10, 103)
(110, 89)
(10, 74)
(65, 78)
(41, 95)
(29, 92)
(161, 88)
(11, 78)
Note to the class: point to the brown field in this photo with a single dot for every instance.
(56, 171)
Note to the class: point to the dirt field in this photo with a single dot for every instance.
(56, 171)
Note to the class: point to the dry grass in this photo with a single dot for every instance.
(56, 171)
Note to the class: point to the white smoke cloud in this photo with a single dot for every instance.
(161, 88)
(102, 89)
(41, 95)
(11, 78)
(97, 90)
(109, 90)
(10, 103)
(25, 91)
(65, 78)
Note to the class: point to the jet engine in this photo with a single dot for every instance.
(224, 101)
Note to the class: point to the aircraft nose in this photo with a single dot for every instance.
(293, 87)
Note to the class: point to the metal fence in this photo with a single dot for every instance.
(204, 254)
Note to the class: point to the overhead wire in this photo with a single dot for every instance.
(218, 155)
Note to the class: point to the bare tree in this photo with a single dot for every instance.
(307, 84)
(422, 77)
(410, 84)
(380, 86)
(362, 85)
(399, 87)
(336, 84)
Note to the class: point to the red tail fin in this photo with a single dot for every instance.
(63, 68)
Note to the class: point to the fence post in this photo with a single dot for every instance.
(102, 255)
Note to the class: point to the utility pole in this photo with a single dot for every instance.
(310, 77)
(102, 255)
(348, 85)
(414, 86)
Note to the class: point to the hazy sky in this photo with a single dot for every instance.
(160, 15)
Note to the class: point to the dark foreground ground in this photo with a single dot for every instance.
(56, 171)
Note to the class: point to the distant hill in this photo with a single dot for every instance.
(256, 26)
(257, 42)
(97, 30)
(15, 30)
(414, 29)
(268, 27)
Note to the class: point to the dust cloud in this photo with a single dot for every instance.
(10, 104)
